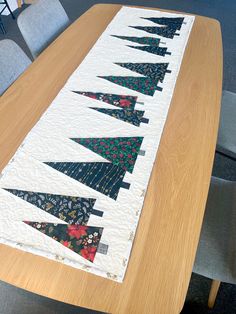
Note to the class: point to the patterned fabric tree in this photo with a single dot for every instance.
(122, 101)
(82, 240)
(134, 117)
(151, 41)
(172, 22)
(72, 209)
(144, 85)
(166, 31)
(152, 44)
(155, 71)
(153, 49)
(103, 177)
(121, 151)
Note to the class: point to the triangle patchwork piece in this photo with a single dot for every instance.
(83, 240)
(122, 101)
(173, 22)
(71, 209)
(103, 177)
(164, 31)
(153, 49)
(121, 151)
(134, 117)
(155, 71)
(151, 41)
(144, 85)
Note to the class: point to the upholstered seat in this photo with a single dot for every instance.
(216, 253)
(13, 62)
(41, 23)
(226, 143)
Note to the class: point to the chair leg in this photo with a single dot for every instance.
(2, 28)
(215, 285)
(7, 5)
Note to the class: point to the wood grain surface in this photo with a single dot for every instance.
(163, 253)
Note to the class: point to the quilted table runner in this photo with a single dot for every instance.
(74, 190)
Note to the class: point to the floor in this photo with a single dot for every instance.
(17, 301)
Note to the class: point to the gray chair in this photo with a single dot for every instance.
(13, 62)
(216, 253)
(2, 28)
(3, 6)
(41, 23)
(226, 143)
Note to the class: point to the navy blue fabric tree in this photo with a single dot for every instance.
(72, 209)
(151, 41)
(165, 31)
(103, 177)
(171, 22)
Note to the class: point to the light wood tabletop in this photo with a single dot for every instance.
(165, 244)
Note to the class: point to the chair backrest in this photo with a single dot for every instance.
(13, 62)
(217, 246)
(41, 23)
(226, 142)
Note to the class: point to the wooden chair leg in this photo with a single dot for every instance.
(19, 2)
(213, 293)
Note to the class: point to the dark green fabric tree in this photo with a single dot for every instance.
(122, 101)
(143, 85)
(154, 71)
(121, 151)
(134, 117)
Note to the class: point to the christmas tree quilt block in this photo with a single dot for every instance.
(160, 51)
(143, 85)
(165, 31)
(71, 209)
(121, 151)
(150, 41)
(135, 117)
(150, 44)
(103, 177)
(83, 240)
(155, 71)
(172, 22)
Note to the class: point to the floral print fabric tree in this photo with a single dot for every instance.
(83, 240)
(122, 101)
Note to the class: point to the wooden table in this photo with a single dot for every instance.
(162, 257)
